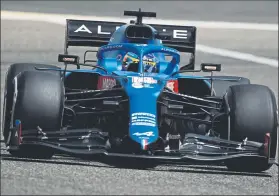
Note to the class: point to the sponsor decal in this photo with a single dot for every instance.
(148, 134)
(99, 31)
(106, 82)
(140, 44)
(73, 59)
(180, 34)
(139, 85)
(176, 33)
(67, 59)
(146, 80)
(111, 47)
(143, 119)
(140, 82)
(169, 50)
(172, 85)
(84, 28)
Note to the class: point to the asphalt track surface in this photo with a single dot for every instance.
(41, 42)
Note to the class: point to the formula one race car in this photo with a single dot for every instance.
(134, 103)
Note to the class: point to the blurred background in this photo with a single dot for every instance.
(234, 11)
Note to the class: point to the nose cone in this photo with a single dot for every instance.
(143, 93)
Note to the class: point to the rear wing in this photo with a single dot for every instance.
(98, 33)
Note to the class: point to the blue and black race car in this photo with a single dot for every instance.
(137, 103)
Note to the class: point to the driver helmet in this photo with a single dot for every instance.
(149, 62)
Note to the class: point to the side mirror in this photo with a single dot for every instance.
(208, 67)
(69, 59)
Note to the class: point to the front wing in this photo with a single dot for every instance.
(87, 143)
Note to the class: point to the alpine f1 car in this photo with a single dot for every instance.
(137, 102)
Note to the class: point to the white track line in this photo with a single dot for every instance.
(237, 55)
(60, 19)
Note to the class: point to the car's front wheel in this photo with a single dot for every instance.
(38, 101)
(253, 114)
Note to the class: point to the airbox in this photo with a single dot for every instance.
(139, 32)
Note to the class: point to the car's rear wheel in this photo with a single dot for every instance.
(253, 114)
(38, 100)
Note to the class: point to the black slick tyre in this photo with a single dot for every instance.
(253, 114)
(38, 101)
